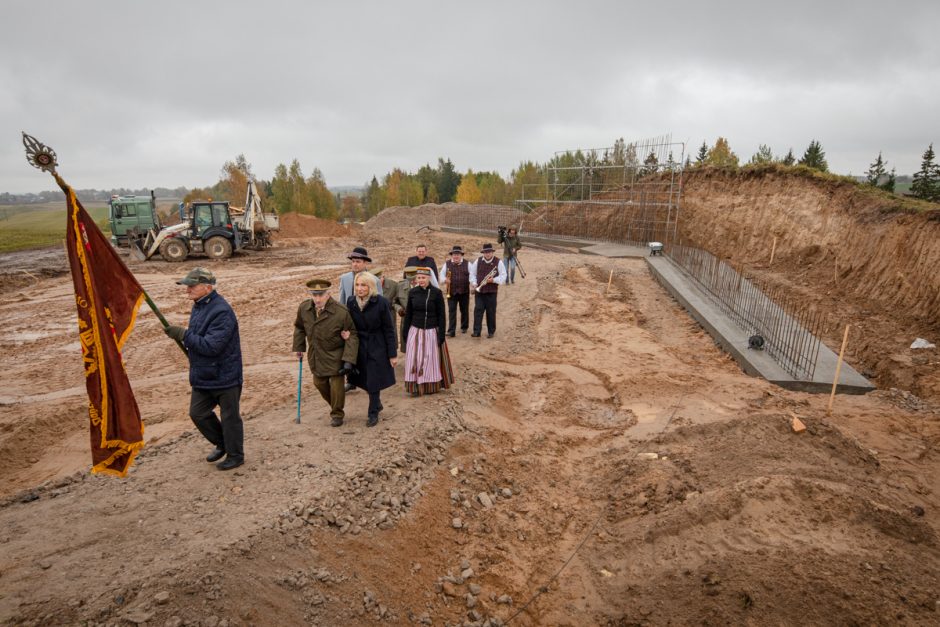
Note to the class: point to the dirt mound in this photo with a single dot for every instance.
(295, 225)
(450, 214)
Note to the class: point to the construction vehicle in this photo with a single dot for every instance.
(210, 228)
(255, 225)
(130, 217)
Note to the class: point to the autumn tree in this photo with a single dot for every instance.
(721, 156)
(492, 187)
(528, 180)
(431, 194)
(814, 157)
(320, 197)
(926, 184)
(468, 192)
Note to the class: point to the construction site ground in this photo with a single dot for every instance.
(598, 462)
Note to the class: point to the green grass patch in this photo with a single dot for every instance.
(36, 226)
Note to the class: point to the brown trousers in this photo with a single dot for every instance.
(333, 391)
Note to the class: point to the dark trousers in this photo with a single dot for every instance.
(484, 303)
(375, 404)
(333, 391)
(227, 434)
(463, 300)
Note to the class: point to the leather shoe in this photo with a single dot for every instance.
(229, 463)
(336, 422)
(490, 335)
(474, 335)
(451, 334)
(215, 455)
(373, 420)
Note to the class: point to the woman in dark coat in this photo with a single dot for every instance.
(378, 351)
(427, 362)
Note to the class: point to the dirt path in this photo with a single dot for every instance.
(599, 461)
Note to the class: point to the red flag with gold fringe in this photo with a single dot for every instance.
(108, 297)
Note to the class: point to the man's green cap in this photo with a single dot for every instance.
(197, 276)
(376, 272)
(318, 286)
(410, 271)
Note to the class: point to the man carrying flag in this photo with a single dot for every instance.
(107, 297)
(215, 368)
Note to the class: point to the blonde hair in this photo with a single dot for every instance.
(370, 279)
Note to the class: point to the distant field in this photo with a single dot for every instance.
(35, 226)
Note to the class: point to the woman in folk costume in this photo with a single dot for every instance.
(427, 362)
(378, 351)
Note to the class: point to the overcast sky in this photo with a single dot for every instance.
(146, 94)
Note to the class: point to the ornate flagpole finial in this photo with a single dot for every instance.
(39, 155)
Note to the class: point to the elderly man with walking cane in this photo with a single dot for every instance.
(318, 331)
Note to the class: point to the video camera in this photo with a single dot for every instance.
(502, 231)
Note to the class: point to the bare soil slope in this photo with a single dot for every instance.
(862, 257)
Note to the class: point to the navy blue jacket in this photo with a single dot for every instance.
(215, 352)
(376, 343)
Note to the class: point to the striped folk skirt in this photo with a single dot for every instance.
(427, 365)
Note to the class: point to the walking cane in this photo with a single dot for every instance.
(300, 376)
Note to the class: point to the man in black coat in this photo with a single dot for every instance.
(215, 368)
(421, 259)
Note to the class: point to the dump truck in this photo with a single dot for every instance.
(210, 228)
(131, 217)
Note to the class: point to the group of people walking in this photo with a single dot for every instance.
(352, 342)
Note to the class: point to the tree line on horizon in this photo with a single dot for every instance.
(290, 191)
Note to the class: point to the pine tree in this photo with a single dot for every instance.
(926, 184)
(789, 159)
(888, 185)
(702, 154)
(447, 181)
(763, 155)
(875, 171)
(815, 157)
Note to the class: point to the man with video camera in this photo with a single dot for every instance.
(509, 238)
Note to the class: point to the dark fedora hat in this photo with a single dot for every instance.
(487, 248)
(359, 253)
(456, 250)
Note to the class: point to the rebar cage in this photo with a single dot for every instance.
(627, 193)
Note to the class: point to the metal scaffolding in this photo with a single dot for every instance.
(627, 193)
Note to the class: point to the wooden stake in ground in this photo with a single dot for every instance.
(773, 249)
(608, 282)
(835, 382)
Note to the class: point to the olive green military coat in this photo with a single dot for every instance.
(320, 337)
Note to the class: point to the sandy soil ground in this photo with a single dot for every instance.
(599, 461)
